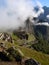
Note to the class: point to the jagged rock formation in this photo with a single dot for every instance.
(28, 26)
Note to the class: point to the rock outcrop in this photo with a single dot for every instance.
(31, 62)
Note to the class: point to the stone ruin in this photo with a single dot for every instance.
(5, 37)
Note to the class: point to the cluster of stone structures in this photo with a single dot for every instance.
(5, 37)
(21, 34)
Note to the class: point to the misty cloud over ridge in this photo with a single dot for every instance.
(13, 13)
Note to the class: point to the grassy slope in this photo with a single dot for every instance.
(31, 37)
(18, 41)
(42, 58)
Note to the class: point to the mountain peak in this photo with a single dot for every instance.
(44, 15)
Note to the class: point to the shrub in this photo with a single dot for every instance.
(42, 45)
(15, 54)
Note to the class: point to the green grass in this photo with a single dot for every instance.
(41, 57)
(18, 41)
(6, 44)
(31, 37)
(14, 37)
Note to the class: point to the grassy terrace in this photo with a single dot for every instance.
(19, 41)
(39, 56)
(42, 58)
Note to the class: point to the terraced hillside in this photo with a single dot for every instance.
(28, 52)
(39, 56)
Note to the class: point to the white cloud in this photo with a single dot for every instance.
(41, 10)
(16, 12)
(47, 16)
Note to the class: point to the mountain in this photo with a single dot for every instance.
(43, 15)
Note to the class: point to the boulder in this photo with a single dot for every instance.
(31, 62)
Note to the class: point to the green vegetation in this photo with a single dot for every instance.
(14, 54)
(28, 52)
(42, 45)
(39, 56)
(14, 37)
(18, 41)
(31, 37)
